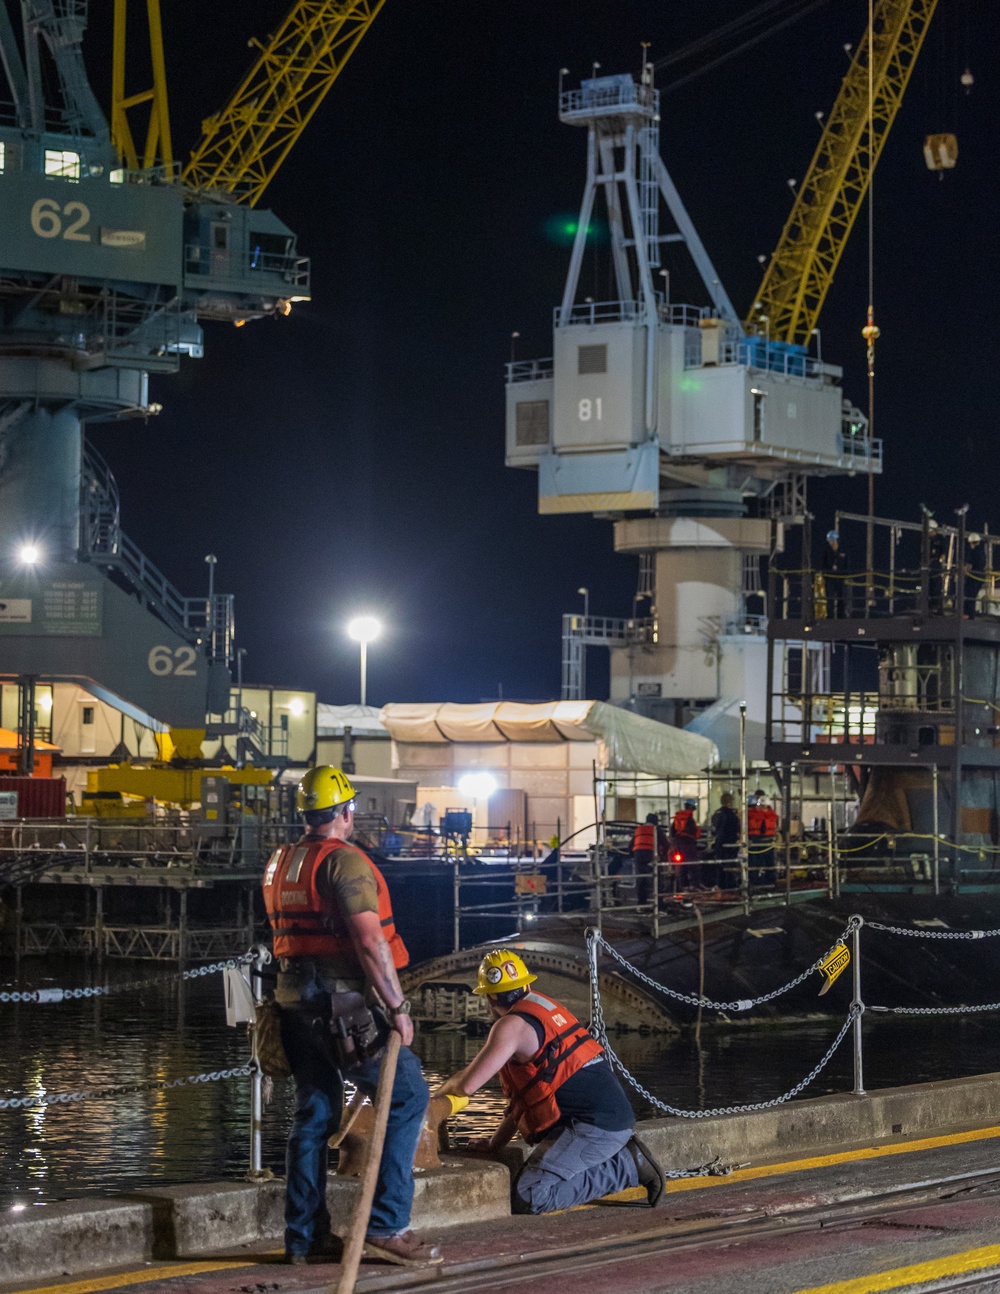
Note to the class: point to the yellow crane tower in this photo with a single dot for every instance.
(826, 206)
(243, 145)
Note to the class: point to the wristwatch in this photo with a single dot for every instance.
(402, 1009)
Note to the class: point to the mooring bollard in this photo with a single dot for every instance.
(856, 1004)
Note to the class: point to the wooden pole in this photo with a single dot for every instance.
(369, 1175)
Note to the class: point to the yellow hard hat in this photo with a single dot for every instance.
(500, 971)
(324, 787)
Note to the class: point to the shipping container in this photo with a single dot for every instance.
(37, 797)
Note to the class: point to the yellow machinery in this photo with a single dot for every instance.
(802, 267)
(175, 778)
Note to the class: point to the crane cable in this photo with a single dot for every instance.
(870, 332)
(735, 28)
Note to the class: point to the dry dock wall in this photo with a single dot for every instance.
(78, 1236)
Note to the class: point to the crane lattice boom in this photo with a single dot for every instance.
(244, 144)
(802, 267)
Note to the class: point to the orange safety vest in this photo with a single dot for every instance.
(761, 820)
(684, 824)
(303, 924)
(645, 837)
(531, 1086)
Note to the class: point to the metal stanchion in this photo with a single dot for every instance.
(262, 956)
(744, 817)
(829, 851)
(456, 886)
(656, 890)
(937, 832)
(856, 1002)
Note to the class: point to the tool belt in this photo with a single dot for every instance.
(358, 1031)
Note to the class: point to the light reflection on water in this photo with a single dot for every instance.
(201, 1133)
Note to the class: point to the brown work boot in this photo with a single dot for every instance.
(403, 1249)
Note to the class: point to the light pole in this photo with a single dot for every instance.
(211, 560)
(819, 345)
(364, 629)
(585, 594)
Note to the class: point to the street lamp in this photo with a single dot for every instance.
(819, 345)
(585, 594)
(364, 629)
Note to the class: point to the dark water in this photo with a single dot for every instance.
(201, 1133)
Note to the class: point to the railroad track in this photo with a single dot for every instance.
(678, 1235)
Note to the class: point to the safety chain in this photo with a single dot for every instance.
(124, 1089)
(934, 1010)
(933, 934)
(104, 990)
(852, 1015)
(594, 937)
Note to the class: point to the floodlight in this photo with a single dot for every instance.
(29, 554)
(364, 629)
(478, 786)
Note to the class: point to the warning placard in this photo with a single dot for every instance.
(832, 965)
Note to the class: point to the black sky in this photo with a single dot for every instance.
(351, 457)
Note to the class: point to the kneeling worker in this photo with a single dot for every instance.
(563, 1097)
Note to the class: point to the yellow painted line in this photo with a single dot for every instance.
(840, 1157)
(953, 1265)
(149, 1274)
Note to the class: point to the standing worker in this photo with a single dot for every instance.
(762, 827)
(563, 1097)
(726, 843)
(684, 833)
(644, 856)
(835, 578)
(335, 939)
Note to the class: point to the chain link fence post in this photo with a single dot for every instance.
(857, 1005)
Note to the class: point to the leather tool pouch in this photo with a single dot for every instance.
(358, 1031)
(267, 1040)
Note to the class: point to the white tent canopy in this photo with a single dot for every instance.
(629, 743)
(363, 720)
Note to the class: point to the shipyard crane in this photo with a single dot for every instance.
(245, 142)
(668, 417)
(802, 266)
(111, 261)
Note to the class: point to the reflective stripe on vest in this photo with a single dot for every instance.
(303, 924)
(531, 1085)
(645, 836)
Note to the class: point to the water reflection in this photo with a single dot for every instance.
(201, 1133)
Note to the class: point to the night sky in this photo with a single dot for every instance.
(351, 457)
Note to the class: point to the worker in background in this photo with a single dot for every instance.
(762, 827)
(939, 563)
(644, 852)
(684, 833)
(835, 578)
(563, 1097)
(725, 845)
(335, 936)
(975, 572)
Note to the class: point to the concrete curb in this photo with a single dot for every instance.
(187, 1221)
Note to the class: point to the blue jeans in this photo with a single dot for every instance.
(577, 1164)
(319, 1103)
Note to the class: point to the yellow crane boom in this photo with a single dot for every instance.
(243, 145)
(802, 267)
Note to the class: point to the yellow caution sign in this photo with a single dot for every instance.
(832, 965)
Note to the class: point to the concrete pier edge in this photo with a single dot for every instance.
(77, 1236)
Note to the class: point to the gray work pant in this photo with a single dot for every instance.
(577, 1164)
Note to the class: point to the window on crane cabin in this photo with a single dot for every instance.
(62, 163)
